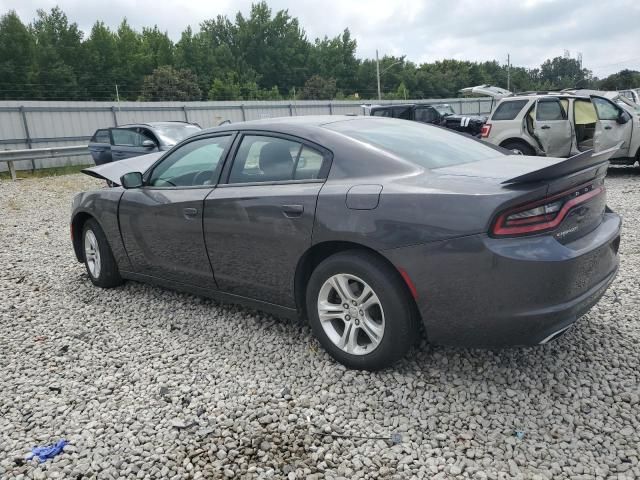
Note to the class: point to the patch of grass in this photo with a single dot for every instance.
(45, 172)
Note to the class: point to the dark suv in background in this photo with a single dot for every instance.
(437, 114)
(117, 143)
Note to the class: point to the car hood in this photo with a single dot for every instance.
(111, 172)
(512, 169)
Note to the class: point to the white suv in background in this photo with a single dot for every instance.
(562, 125)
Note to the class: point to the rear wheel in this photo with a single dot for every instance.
(520, 148)
(98, 258)
(360, 310)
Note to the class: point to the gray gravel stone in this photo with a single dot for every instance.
(159, 384)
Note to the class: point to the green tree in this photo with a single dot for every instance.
(274, 47)
(58, 57)
(100, 58)
(16, 57)
(622, 80)
(561, 72)
(169, 84)
(319, 88)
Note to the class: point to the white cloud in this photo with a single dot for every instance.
(607, 33)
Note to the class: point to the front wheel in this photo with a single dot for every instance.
(98, 258)
(360, 310)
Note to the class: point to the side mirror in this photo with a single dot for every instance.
(131, 180)
(149, 144)
(623, 118)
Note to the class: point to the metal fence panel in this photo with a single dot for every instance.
(33, 124)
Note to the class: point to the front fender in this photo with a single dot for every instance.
(101, 205)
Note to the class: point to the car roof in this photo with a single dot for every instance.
(155, 124)
(530, 95)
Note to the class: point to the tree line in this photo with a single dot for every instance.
(259, 56)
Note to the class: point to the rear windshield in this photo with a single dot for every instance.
(424, 145)
(508, 110)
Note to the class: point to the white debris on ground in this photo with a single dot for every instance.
(147, 383)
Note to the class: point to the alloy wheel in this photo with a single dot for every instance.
(351, 314)
(92, 253)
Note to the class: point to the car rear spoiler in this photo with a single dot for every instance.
(574, 164)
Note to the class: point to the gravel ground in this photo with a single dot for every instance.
(148, 383)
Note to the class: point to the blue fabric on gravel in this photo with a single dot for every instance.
(48, 451)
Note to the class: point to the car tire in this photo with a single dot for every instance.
(520, 148)
(364, 329)
(98, 257)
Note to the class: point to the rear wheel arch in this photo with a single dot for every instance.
(321, 251)
(77, 226)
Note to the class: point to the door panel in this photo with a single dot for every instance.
(255, 235)
(100, 147)
(162, 234)
(161, 223)
(552, 128)
(610, 133)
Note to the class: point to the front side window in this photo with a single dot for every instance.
(129, 137)
(606, 110)
(549, 110)
(509, 110)
(194, 164)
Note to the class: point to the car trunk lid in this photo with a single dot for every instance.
(563, 196)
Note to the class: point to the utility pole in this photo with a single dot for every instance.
(508, 72)
(378, 75)
(117, 96)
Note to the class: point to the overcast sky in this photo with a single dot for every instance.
(607, 32)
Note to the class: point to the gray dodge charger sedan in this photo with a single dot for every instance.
(366, 227)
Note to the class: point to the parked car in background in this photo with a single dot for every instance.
(365, 226)
(563, 124)
(437, 114)
(631, 94)
(117, 143)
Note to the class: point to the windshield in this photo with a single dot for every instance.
(172, 134)
(444, 109)
(424, 145)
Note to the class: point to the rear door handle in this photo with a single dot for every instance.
(292, 210)
(190, 212)
(545, 127)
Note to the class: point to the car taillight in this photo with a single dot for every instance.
(486, 129)
(542, 215)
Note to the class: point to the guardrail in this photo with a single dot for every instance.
(10, 156)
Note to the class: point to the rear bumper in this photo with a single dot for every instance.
(482, 291)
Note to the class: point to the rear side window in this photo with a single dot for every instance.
(421, 144)
(381, 113)
(262, 158)
(101, 136)
(549, 110)
(509, 110)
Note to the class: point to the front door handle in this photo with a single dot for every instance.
(608, 127)
(545, 127)
(292, 210)
(190, 212)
